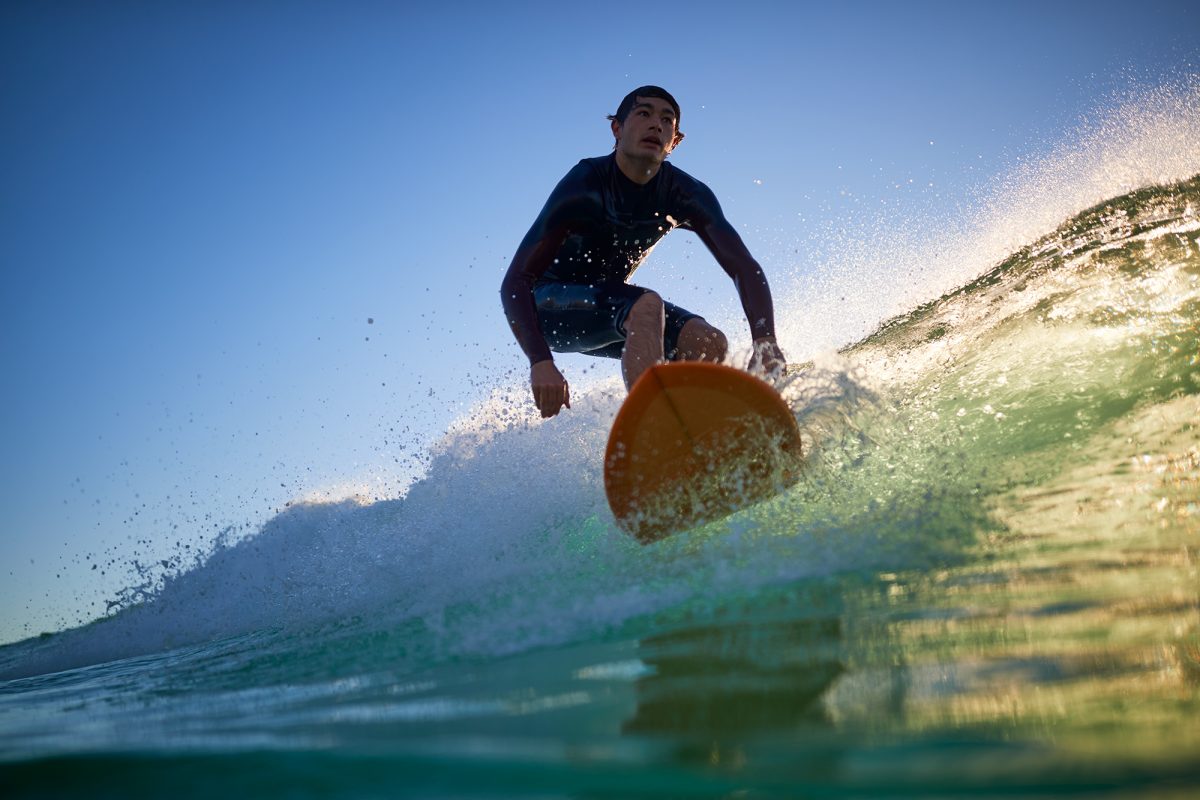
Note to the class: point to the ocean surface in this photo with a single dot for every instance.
(987, 583)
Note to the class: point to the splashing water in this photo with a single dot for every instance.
(991, 555)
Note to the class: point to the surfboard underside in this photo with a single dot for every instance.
(693, 443)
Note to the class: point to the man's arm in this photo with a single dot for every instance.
(727, 247)
(753, 290)
(532, 259)
(550, 389)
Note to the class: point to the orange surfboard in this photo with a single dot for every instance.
(695, 442)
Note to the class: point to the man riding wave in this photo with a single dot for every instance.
(567, 287)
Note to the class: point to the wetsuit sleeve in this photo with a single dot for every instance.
(727, 247)
(569, 203)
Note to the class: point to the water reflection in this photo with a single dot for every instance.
(739, 678)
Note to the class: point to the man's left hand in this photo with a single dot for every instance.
(768, 360)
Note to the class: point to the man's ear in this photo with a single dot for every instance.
(616, 129)
(675, 142)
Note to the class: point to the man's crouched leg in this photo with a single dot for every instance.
(644, 328)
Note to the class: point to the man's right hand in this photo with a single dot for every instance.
(550, 390)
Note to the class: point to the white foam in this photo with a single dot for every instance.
(507, 543)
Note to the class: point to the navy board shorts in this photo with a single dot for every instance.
(590, 318)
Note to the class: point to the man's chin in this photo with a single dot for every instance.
(647, 156)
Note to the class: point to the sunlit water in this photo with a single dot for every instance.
(985, 584)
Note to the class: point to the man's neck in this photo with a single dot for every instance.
(639, 170)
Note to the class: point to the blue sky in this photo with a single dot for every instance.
(251, 251)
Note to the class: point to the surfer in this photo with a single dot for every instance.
(567, 287)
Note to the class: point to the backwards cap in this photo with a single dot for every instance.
(644, 91)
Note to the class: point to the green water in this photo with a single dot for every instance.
(987, 584)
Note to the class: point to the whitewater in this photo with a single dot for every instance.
(986, 581)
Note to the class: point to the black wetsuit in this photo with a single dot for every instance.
(567, 287)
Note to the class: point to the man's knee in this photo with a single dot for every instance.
(699, 341)
(646, 313)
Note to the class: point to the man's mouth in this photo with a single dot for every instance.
(654, 140)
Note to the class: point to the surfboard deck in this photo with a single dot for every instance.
(694, 442)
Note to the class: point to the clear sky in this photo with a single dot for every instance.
(251, 250)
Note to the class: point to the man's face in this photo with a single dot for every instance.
(649, 132)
